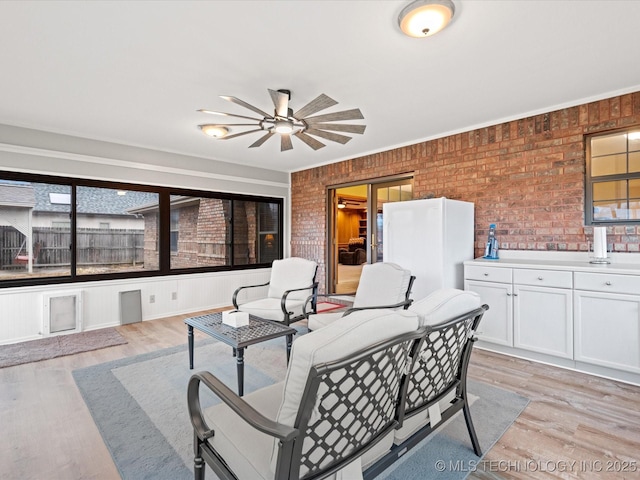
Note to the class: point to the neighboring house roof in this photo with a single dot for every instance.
(90, 200)
(16, 194)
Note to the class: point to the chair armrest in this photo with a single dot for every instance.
(249, 414)
(235, 294)
(313, 287)
(405, 304)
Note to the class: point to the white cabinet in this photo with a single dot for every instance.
(528, 308)
(543, 320)
(495, 289)
(543, 311)
(608, 324)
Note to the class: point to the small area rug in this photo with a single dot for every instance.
(139, 404)
(324, 307)
(58, 346)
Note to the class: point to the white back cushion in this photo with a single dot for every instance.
(290, 273)
(444, 304)
(382, 283)
(339, 339)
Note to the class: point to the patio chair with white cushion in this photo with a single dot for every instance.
(382, 285)
(292, 282)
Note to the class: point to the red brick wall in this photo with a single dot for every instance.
(527, 176)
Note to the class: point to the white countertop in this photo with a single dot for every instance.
(621, 263)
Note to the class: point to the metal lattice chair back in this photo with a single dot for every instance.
(356, 404)
(439, 363)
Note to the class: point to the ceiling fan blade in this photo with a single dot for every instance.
(335, 137)
(285, 142)
(236, 124)
(240, 134)
(281, 102)
(211, 112)
(339, 127)
(319, 103)
(312, 142)
(237, 101)
(354, 114)
(261, 140)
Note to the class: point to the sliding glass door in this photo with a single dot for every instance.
(355, 227)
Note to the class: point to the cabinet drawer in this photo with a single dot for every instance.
(543, 278)
(489, 274)
(604, 282)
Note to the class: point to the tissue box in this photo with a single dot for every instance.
(235, 319)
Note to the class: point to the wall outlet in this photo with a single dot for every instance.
(152, 299)
(174, 295)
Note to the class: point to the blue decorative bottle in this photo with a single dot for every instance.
(491, 249)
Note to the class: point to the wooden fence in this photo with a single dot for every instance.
(94, 246)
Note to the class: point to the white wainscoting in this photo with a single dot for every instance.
(21, 312)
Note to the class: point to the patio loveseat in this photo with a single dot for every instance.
(356, 393)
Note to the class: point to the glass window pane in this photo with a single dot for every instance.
(35, 230)
(609, 165)
(256, 227)
(610, 190)
(610, 210)
(634, 162)
(634, 209)
(608, 144)
(200, 232)
(634, 189)
(634, 141)
(129, 243)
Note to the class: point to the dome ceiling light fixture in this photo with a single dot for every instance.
(286, 123)
(423, 18)
(215, 131)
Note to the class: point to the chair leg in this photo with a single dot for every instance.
(198, 461)
(471, 429)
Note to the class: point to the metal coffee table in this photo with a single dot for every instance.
(258, 330)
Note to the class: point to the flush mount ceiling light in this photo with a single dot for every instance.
(215, 131)
(423, 18)
(286, 123)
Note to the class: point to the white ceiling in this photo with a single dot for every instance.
(136, 72)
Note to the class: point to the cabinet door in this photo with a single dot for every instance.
(607, 329)
(543, 320)
(496, 325)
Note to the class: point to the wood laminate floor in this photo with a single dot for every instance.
(576, 425)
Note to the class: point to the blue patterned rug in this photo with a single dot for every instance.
(140, 407)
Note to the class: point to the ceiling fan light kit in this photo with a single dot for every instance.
(424, 18)
(215, 131)
(302, 124)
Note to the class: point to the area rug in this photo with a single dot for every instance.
(139, 404)
(324, 307)
(58, 346)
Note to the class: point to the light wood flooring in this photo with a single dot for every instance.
(46, 431)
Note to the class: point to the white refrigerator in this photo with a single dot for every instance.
(432, 238)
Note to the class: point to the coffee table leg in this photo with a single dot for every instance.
(190, 338)
(240, 364)
(289, 342)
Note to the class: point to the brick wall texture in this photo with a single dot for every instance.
(526, 176)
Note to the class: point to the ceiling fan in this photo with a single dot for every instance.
(286, 123)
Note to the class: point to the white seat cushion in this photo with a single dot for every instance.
(382, 283)
(351, 334)
(322, 320)
(290, 273)
(271, 309)
(246, 450)
(445, 304)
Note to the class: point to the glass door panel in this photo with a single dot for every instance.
(381, 193)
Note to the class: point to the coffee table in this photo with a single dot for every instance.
(258, 330)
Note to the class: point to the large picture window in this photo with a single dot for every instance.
(613, 178)
(74, 230)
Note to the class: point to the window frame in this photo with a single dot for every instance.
(164, 230)
(591, 180)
